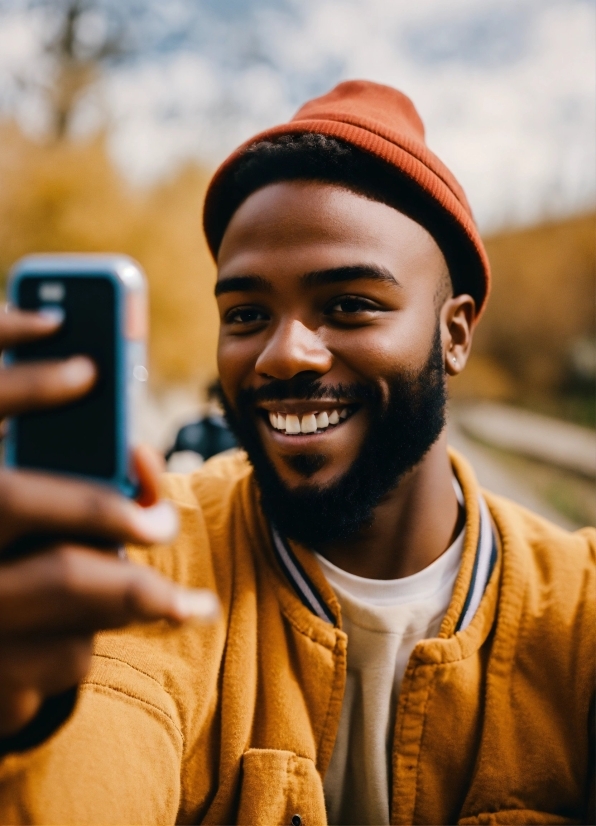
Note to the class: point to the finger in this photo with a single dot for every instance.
(77, 590)
(32, 386)
(18, 327)
(149, 466)
(36, 503)
(34, 670)
(17, 708)
(49, 666)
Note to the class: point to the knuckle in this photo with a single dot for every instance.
(134, 598)
(95, 506)
(100, 508)
(141, 593)
(65, 569)
(39, 381)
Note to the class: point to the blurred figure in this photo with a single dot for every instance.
(200, 440)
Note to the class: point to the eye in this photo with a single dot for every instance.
(351, 305)
(245, 315)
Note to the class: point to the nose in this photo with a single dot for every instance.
(293, 349)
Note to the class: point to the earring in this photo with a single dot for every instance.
(453, 359)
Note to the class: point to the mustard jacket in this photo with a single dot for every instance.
(236, 723)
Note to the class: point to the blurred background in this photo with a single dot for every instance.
(114, 114)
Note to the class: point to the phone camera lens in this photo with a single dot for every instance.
(51, 291)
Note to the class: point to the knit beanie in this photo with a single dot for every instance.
(382, 122)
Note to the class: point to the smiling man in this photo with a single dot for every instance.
(393, 645)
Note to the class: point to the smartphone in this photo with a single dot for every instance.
(102, 300)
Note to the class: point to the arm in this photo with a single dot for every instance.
(116, 760)
(56, 592)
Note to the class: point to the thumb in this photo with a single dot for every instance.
(149, 465)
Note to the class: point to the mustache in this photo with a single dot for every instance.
(307, 389)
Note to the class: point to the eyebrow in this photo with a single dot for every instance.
(242, 283)
(316, 278)
(335, 275)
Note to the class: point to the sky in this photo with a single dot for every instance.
(506, 88)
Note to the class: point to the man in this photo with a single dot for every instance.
(391, 643)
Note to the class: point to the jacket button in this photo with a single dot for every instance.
(296, 820)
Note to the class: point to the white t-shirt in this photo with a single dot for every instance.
(384, 619)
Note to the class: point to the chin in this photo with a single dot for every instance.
(304, 466)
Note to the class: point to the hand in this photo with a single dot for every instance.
(57, 596)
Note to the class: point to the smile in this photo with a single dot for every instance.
(293, 424)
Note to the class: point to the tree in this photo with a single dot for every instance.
(77, 60)
(78, 39)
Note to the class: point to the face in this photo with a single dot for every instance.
(331, 344)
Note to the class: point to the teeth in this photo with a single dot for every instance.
(292, 423)
(308, 423)
(322, 420)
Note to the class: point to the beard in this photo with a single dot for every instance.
(401, 430)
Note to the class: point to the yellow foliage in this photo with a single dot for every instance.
(67, 196)
(542, 300)
(483, 378)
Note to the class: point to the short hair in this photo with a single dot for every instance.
(311, 156)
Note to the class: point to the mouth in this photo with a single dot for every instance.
(295, 420)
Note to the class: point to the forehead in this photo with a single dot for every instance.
(308, 225)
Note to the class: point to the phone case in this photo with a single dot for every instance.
(130, 345)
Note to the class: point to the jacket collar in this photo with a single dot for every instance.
(480, 555)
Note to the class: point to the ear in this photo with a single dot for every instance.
(458, 317)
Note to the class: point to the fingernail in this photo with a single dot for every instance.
(77, 371)
(197, 604)
(55, 314)
(159, 523)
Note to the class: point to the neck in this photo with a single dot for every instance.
(411, 527)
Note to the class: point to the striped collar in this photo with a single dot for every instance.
(484, 562)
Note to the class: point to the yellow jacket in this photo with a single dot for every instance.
(237, 722)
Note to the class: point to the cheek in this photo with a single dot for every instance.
(384, 349)
(235, 360)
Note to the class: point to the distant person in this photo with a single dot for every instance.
(207, 436)
(389, 642)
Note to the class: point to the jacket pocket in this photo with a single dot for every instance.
(513, 817)
(279, 788)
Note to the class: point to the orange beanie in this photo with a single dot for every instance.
(384, 123)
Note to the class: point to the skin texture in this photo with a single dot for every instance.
(56, 596)
(288, 310)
